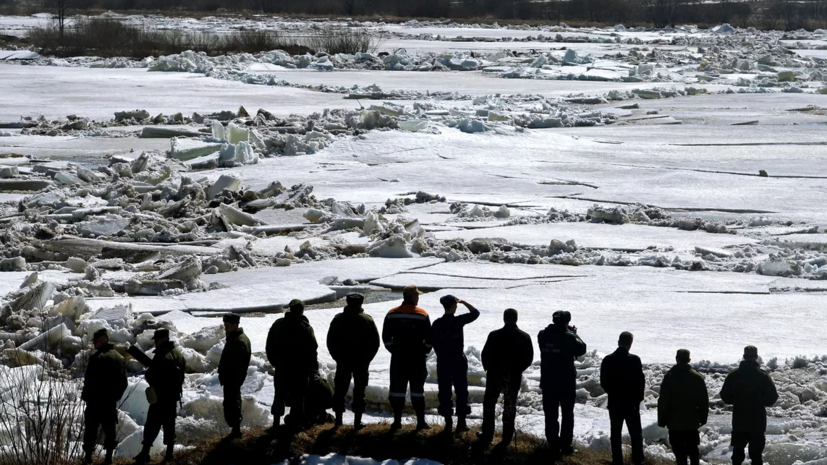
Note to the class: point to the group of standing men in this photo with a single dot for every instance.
(353, 341)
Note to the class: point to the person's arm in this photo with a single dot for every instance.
(726, 391)
(640, 379)
(703, 401)
(333, 338)
(769, 393)
(469, 317)
(374, 340)
(427, 340)
(528, 354)
(313, 352)
(485, 356)
(387, 333)
(576, 344)
(272, 345)
(664, 400)
(605, 375)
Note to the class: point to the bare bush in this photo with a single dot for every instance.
(343, 41)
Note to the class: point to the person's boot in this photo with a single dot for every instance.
(339, 419)
(567, 449)
(449, 424)
(108, 459)
(357, 421)
(461, 425)
(87, 459)
(419, 408)
(397, 420)
(234, 434)
(170, 455)
(485, 436)
(143, 457)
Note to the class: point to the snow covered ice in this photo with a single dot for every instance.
(669, 183)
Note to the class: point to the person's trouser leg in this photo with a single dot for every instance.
(417, 377)
(361, 376)
(279, 398)
(298, 387)
(679, 446)
(341, 384)
(398, 386)
(510, 410)
(693, 442)
(170, 411)
(154, 420)
(460, 378)
(757, 442)
(109, 424)
(632, 417)
(489, 406)
(232, 406)
(616, 434)
(567, 401)
(444, 374)
(551, 409)
(92, 422)
(739, 442)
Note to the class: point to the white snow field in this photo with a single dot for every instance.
(668, 183)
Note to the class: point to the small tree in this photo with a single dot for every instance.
(61, 9)
(661, 12)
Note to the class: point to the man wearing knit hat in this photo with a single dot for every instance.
(683, 407)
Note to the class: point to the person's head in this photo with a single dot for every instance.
(561, 318)
(355, 300)
(682, 357)
(625, 340)
(751, 353)
(160, 337)
(100, 338)
(449, 303)
(231, 321)
(410, 295)
(296, 307)
(510, 316)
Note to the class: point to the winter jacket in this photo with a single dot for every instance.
(621, 376)
(447, 332)
(235, 359)
(750, 390)
(291, 344)
(558, 349)
(507, 352)
(105, 379)
(353, 339)
(407, 331)
(166, 372)
(683, 404)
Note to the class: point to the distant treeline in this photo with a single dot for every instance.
(763, 14)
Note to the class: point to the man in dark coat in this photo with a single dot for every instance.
(103, 386)
(406, 334)
(507, 353)
(165, 376)
(292, 350)
(621, 376)
(352, 341)
(683, 407)
(750, 391)
(451, 363)
(232, 371)
(559, 347)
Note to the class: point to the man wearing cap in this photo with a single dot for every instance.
(406, 334)
(352, 341)
(749, 390)
(621, 376)
(683, 407)
(506, 355)
(232, 371)
(559, 346)
(165, 377)
(291, 349)
(103, 386)
(451, 363)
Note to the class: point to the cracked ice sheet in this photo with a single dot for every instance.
(78, 147)
(98, 93)
(628, 237)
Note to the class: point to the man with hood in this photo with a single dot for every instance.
(683, 407)
(103, 386)
(352, 341)
(406, 334)
(232, 371)
(559, 347)
(291, 349)
(750, 391)
(165, 377)
(451, 363)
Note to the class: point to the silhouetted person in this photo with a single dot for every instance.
(165, 377)
(621, 376)
(451, 363)
(103, 386)
(750, 391)
(319, 398)
(506, 355)
(291, 349)
(683, 407)
(352, 341)
(232, 371)
(406, 334)
(559, 347)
